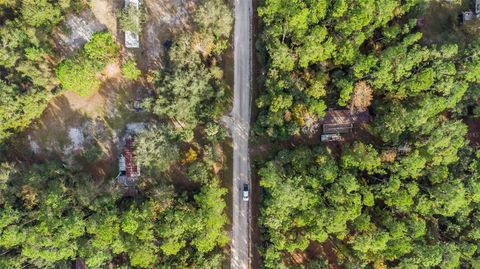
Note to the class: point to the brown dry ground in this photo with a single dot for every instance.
(314, 250)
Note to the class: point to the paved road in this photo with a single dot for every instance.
(240, 128)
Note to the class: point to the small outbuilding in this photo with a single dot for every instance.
(470, 15)
(404, 149)
(341, 121)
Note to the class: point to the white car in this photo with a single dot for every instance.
(245, 192)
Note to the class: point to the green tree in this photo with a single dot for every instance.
(156, 148)
(41, 13)
(361, 156)
(212, 218)
(18, 108)
(215, 18)
(130, 70)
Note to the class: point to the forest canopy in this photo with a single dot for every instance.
(402, 191)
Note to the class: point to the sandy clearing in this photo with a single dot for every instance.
(105, 12)
(80, 27)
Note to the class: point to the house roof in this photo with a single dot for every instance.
(131, 166)
(345, 116)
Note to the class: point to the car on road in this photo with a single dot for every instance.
(245, 192)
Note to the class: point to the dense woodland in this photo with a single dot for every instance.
(51, 214)
(380, 207)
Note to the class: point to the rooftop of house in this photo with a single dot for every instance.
(128, 168)
(130, 164)
(345, 116)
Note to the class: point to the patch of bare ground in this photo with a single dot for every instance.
(164, 19)
(327, 251)
(105, 12)
(76, 30)
(112, 71)
(313, 251)
(473, 134)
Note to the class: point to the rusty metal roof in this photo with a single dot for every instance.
(131, 166)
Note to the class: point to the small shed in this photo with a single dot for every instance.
(404, 149)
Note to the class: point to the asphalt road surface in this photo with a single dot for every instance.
(240, 128)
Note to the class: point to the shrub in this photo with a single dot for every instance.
(130, 70)
(102, 48)
(93, 153)
(78, 77)
(199, 172)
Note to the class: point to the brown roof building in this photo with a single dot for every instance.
(343, 120)
(128, 168)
